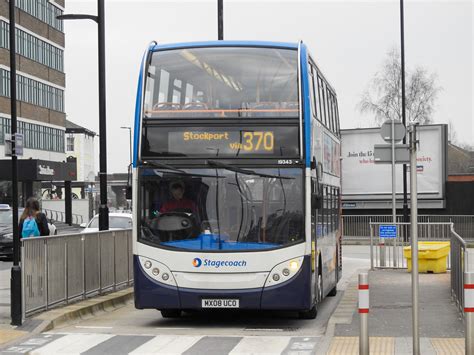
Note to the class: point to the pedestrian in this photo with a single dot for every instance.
(33, 223)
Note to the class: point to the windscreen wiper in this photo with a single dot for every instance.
(172, 170)
(162, 166)
(218, 164)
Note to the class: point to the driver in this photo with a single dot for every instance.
(178, 202)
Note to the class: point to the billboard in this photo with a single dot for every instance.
(369, 185)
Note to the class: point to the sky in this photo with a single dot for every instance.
(348, 39)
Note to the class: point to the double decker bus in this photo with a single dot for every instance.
(236, 179)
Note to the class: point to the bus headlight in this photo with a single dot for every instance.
(284, 271)
(154, 268)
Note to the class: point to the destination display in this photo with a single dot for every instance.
(257, 141)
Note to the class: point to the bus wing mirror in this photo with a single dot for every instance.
(128, 193)
(316, 201)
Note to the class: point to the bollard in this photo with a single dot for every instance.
(469, 311)
(364, 313)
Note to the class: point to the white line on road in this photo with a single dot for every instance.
(261, 345)
(167, 344)
(72, 344)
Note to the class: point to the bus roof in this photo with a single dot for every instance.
(159, 47)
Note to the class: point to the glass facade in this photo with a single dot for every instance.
(43, 10)
(35, 136)
(33, 48)
(33, 92)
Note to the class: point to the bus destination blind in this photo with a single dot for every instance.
(224, 141)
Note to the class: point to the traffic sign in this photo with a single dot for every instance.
(383, 154)
(399, 131)
(388, 231)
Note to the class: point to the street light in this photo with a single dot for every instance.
(99, 19)
(130, 141)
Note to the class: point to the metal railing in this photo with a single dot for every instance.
(388, 252)
(462, 256)
(358, 227)
(60, 216)
(61, 269)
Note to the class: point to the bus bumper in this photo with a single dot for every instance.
(295, 294)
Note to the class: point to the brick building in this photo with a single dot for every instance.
(40, 77)
(40, 96)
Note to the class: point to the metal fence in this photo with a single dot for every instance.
(462, 261)
(357, 228)
(389, 252)
(60, 269)
(60, 216)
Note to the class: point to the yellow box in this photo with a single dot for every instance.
(432, 256)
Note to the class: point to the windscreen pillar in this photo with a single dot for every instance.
(68, 202)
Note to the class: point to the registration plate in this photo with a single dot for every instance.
(220, 303)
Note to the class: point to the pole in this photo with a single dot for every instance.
(15, 281)
(130, 144)
(364, 313)
(414, 240)
(404, 118)
(394, 192)
(220, 19)
(103, 209)
(469, 311)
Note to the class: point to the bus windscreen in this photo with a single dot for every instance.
(222, 82)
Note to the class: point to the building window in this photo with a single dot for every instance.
(35, 136)
(70, 144)
(33, 92)
(43, 10)
(33, 48)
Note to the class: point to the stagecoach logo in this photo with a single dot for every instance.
(218, 263)
(197, 262)
(45, 170)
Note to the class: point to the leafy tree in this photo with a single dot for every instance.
(383, 97)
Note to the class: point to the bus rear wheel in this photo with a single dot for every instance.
(171, 313)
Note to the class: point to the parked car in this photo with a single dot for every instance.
(116, 221)
(6, 230)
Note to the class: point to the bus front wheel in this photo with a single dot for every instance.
(309, 314)
(171, 313)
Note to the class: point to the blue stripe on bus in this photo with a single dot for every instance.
(136, 129)
(225, 44)
(306, 104)
(216, 242)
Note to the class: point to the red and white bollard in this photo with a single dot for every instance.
(469, 311)
(364, 313)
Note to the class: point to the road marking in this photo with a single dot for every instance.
(167, 344)
(261, 345)
(264, 330)
(91, 327)
(72, 344)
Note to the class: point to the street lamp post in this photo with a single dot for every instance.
(99, 19)
(15, 281)
(130, 141)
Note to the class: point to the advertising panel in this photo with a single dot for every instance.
(362, 179)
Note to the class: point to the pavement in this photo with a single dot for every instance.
(93, 326)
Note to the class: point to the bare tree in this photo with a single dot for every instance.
(383, 98)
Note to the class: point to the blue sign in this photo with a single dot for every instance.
(388, 231)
